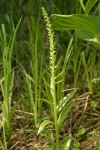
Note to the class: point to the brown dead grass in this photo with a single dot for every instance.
(24, 135)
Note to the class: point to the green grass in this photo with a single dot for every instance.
(7, 81)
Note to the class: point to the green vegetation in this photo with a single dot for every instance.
(50, 75)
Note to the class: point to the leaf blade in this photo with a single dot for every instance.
(89, 5)
(73, 22)
(43, 124)
(63, 101)
(65, 111)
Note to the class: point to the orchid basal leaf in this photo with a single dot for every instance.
(43, 124)
(65, 112)
(65, 100)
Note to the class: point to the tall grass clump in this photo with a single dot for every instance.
(33, 78)
(7, 48)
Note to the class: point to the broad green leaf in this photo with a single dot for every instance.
(89, 5)
(89, 36)
(86, 27)
(64, 112)
(63, 101)
(97, 22)
(74, 22)
(86, 35)
(43, 124)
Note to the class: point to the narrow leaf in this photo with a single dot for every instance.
(86, 72)
(89, 5)
(13, 38)
(65, 111)
(82, 4)
(43, 124)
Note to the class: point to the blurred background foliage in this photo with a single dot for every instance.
(12, 10)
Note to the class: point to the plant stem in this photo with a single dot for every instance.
(53, 76)
(53, 92)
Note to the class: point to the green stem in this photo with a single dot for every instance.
(53, 92)
(52, 79)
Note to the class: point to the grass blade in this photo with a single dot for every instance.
(89, 5)
(86, 72)
(82, 4)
